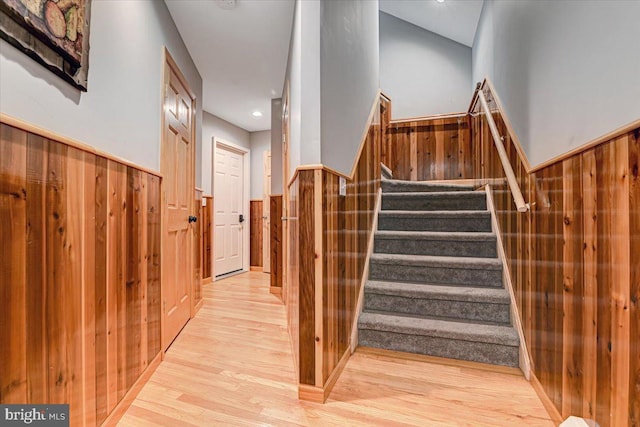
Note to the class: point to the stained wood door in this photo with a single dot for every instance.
(178, 182)
(228, 188)
(266, 214)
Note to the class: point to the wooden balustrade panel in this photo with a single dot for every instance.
(255, 244)
(634, 290)
(275, 239)
(574, 262)
(429, 149)
(291, 292)
(83, 231)
(207, 238)
(306, 255)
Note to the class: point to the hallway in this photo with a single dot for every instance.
(232, 365)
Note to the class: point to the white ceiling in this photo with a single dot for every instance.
(454, 19)
(241, 54)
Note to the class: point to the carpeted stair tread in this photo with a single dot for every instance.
(440, 292)
(396, 186)
(422, 326)
(458, 244)
(471, 220)
(436, 235)
(469, 263)
(430, 201)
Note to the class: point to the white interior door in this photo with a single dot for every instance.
(266, 215)
(228, 191)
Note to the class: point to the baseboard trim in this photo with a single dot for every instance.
(256, 268)
(315, 394)
(524, 359)
(401, 355)
(118, 412)
(276, 290)
(365, 271)
(553, 412)
(207, 280)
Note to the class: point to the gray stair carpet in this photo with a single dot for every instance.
(435, 281)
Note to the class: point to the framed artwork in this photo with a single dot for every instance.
(53, 32)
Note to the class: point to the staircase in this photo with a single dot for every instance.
(435, 281)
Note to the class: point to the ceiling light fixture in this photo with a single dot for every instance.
(256, 114)
(440, 1)
(226, 4)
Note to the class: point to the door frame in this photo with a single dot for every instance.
(266, 215)
(246, 189)
(169, 63)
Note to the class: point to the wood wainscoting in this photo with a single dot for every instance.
(255, 231)
(196, 291)
(80, 273)
(429, 148)
(329, 242)
(275, 243)
(573, 259)
(207, 238)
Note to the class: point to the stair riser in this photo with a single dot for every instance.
(435, 224)
(480, 249)
(441, 347)
(407, 187)
(428, 274)
(463, 310)
(426, 203)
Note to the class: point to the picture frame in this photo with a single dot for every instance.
(54, 33)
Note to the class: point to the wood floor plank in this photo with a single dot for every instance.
(232, 365)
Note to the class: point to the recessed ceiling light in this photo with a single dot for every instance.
(226, 4)
(440, 1)
(256, 114)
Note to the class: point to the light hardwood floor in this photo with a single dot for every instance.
(232, 365)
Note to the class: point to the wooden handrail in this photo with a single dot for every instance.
(521, 205)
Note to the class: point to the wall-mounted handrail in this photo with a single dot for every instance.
(521, 205)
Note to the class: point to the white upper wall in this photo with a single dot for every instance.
(213, 126)
(350, 78)
(422, 72)
(121, 112)
(260, 142)
(276, 146)
(567, 72)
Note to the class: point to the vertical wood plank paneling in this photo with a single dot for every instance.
(78, 226)
(133, 276)
(604, 178)
(590, 262)
(116, 205)
(65, 208)
(275, 210)
(37, 380)
(196, 294)
(634, 291)
(89, 292)
(13, 195)
(573, 296)
(101, 275)
(207, 238)
(255, 244)
(307, 280)
(153, 267)
(620, 262)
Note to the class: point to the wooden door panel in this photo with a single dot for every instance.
(177, 168)
(229, 191)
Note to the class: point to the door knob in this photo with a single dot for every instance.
(241, 219)
(192, 219)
